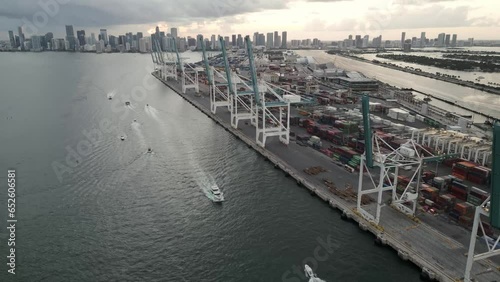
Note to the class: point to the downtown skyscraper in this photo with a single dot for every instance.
(70, 37)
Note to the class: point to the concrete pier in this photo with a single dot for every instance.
(440, 257)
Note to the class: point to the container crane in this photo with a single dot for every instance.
(218, 98)
(408, 154)
(241, 95)
(277, 101)
(189, 74)
(489, 208)
(166, 64)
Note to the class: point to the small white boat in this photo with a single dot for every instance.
(122, 137)
(309, 272)
(217, 195)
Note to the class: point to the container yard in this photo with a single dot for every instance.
(325, 152)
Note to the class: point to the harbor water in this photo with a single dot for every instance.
(93, 207)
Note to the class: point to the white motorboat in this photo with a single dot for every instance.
(217, 195)
(122, 137)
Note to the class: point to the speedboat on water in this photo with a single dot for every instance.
(122, 137)
(127, 103)
(309, 272)
(217, 195)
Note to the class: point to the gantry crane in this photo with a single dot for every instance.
(269, 101)
(408, 154)
(188, 72)
(241, 95)
(165, 64)
(489, 208)
(219, 97)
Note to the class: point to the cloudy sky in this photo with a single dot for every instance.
(323, 19)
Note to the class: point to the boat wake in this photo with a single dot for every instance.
(138, 132)
(202, 179)
(152, 112)
(111, 94)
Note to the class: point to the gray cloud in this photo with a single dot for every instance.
(420, 2)
(399, 17)
(121, 12)
(328, 1)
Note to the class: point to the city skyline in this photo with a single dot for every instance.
(326, 20)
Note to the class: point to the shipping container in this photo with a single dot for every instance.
(477, 196)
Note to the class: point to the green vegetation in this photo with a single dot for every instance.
(479, 58)
(444, 63)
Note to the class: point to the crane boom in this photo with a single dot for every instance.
(181, 65)
(205, 60)
(226, 66)
(253, 72)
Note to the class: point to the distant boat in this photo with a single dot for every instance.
(127, 103)
(109, 97)
(122, 137)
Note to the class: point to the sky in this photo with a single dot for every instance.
(323, 19)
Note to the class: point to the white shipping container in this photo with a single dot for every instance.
(386, 122)
(407, 152)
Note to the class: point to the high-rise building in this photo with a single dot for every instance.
(191, 42)
(255, 40)
(213, 40)
(173, 32)
(70, 37)
(80, 34)
(36, 44)
(226, 40)
(377, 42)
(422, 40)
(104, 36)
(278, 43)
(359, 41)
(92, 39)
(21, 37)
(407, 45)
(48, 39)
(403, 35)
(270, 41)
(471, 42)
(139, 36)
(283, 40)
(142, 45)
(113, 41)
(440, 40)
(454, 40)
(199, 41)
(276, 39)
(233, 40)
(12, 40)
(239, 41)
(447, 40)
(366, 38)
(262, 40)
